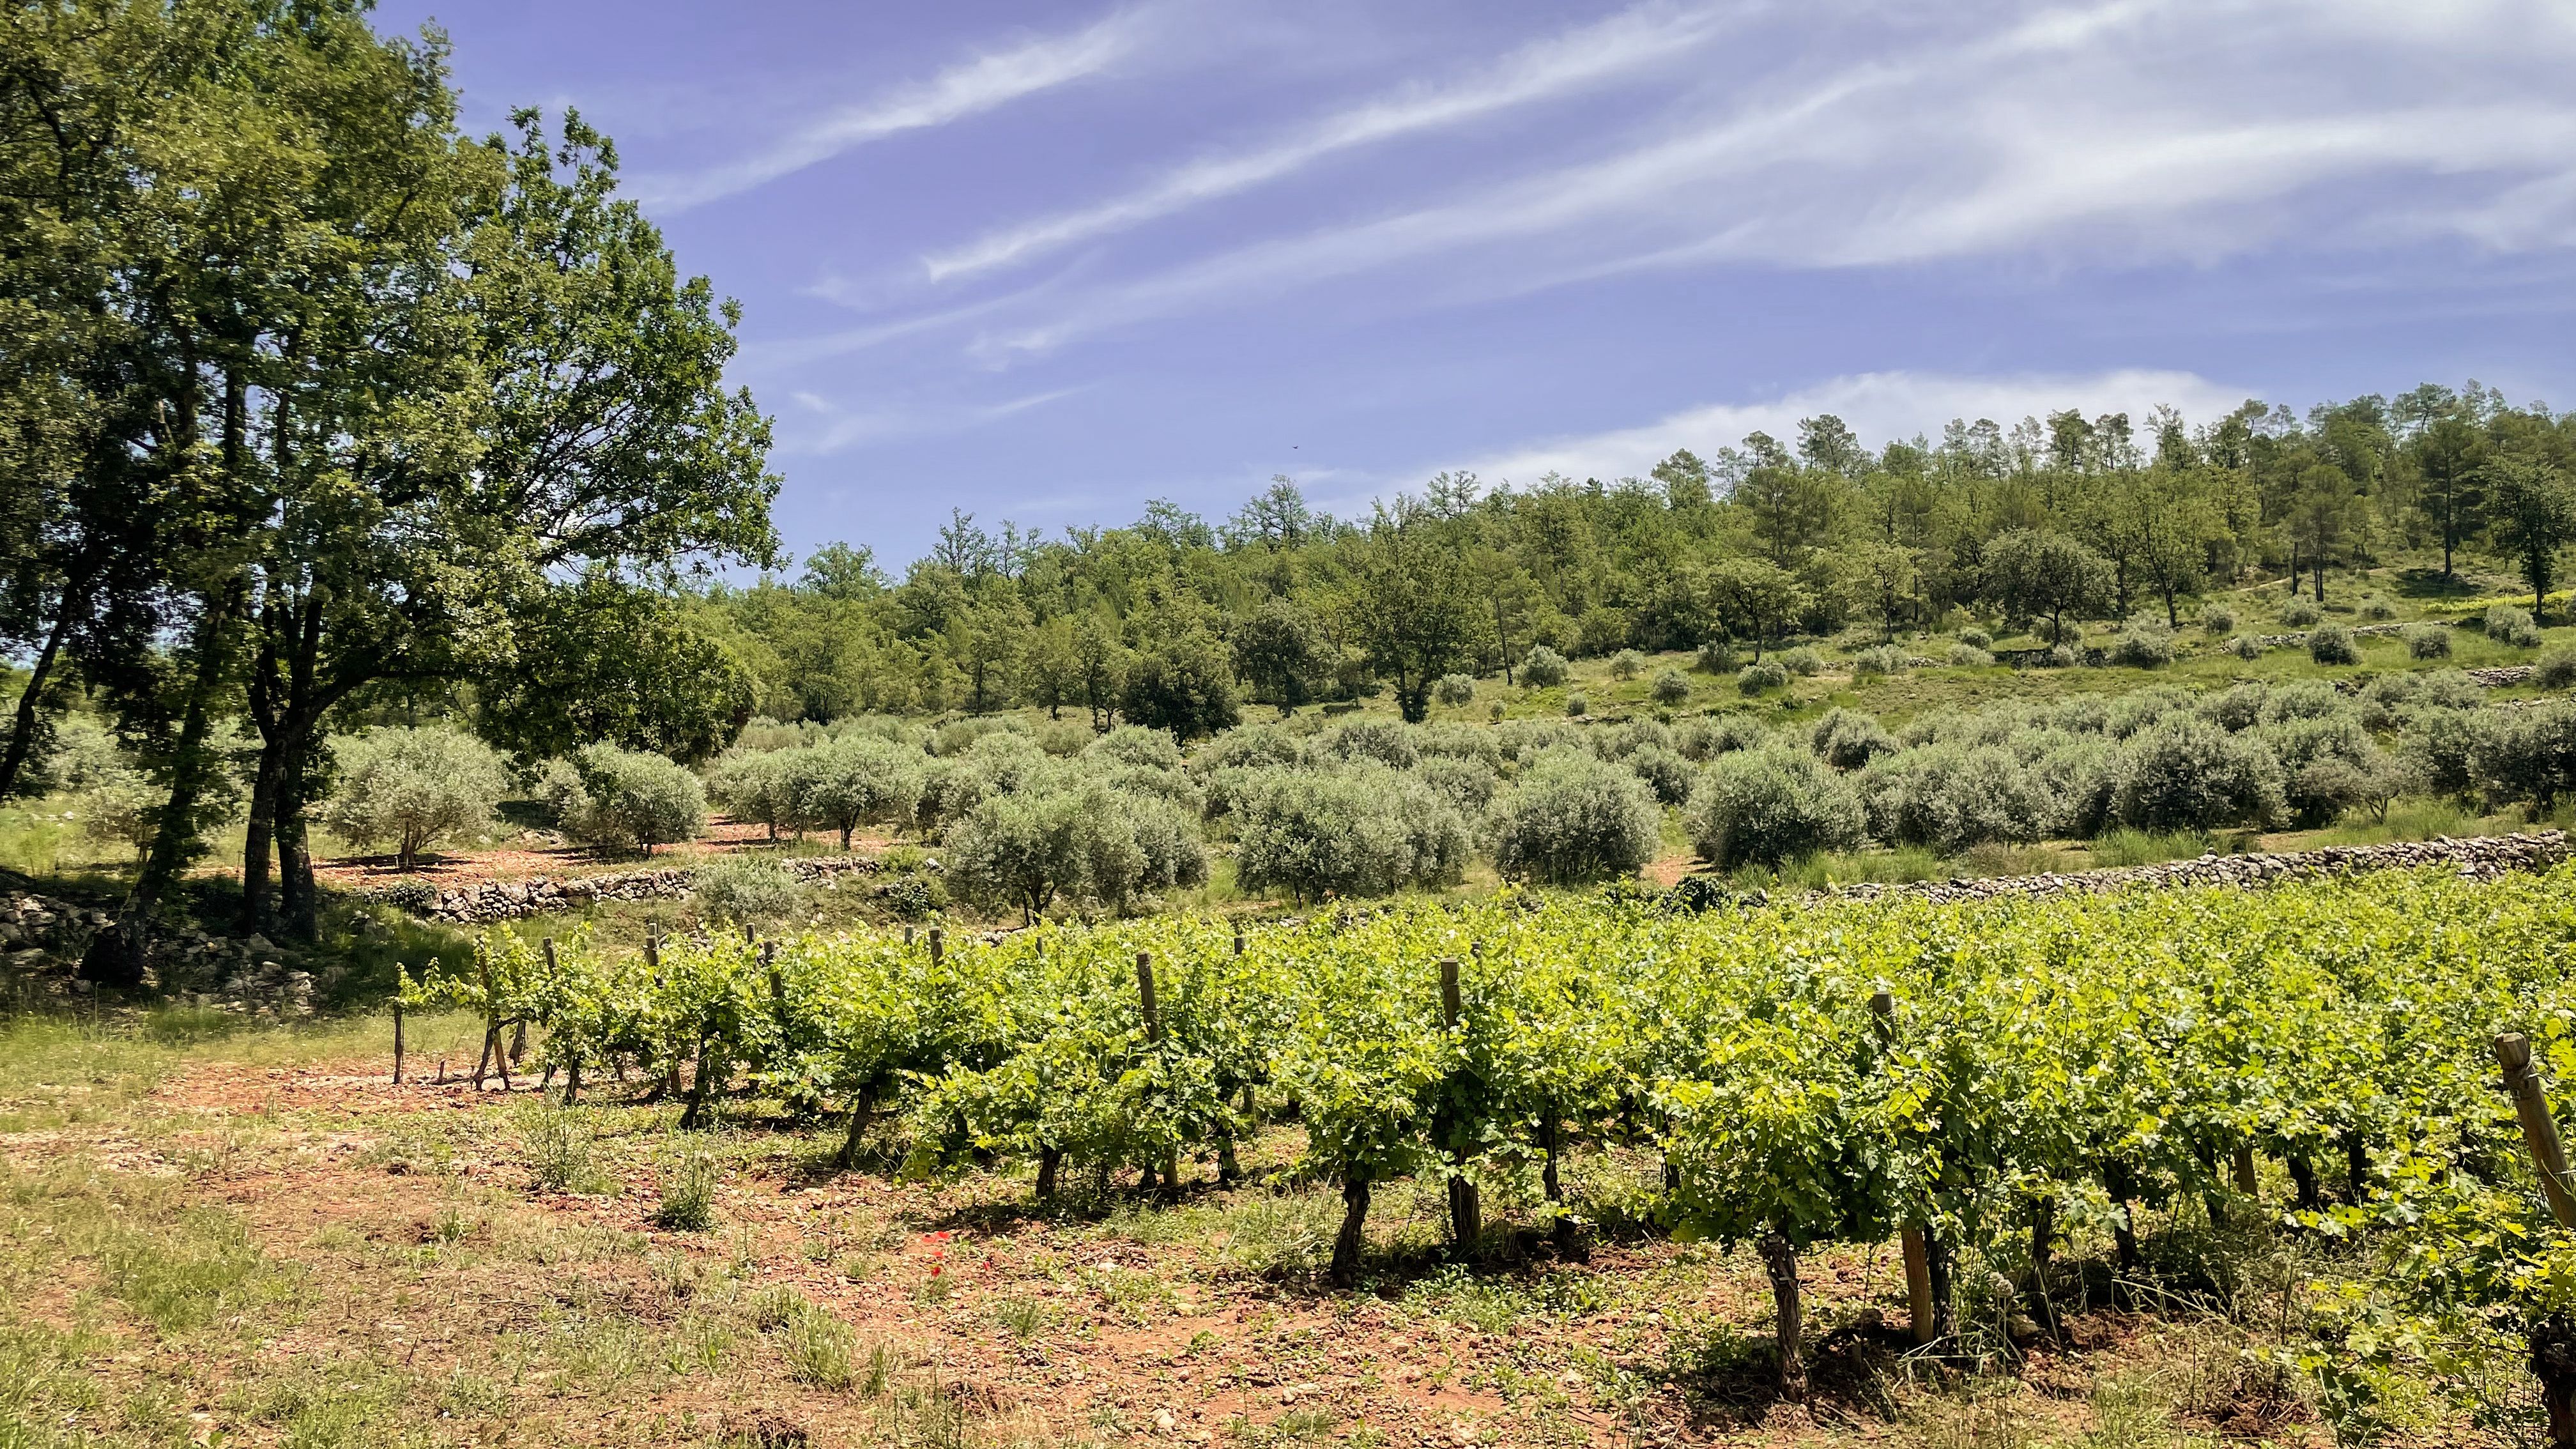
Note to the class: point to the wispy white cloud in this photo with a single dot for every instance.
(833, 427)
(1649, 36)
(1879, 406)
(2127, 131)
(970, 87)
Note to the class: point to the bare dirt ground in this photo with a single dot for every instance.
(259, 1248)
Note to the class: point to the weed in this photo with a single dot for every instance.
(821, 1349)
(1023, 1316)
(558, 1143)
(688, 1195)
(182, 1275)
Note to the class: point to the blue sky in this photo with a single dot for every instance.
(1044, 262)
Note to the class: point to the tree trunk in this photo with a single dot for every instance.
(2356, 1158)
(1938, 1260)
(1347, 1242)
(2303, 1177)
(1780, 1259)
(2553, 1362)
(862, 1107)
(1050, 1160)
(259, 834)
(1466, 1218)
(22, 729)
(2043, 1247)
(118, 957)
(1567, 1237)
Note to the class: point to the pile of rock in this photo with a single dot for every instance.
(42, 940)
(2481, 858)
(510, 900)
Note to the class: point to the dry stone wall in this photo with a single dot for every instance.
(510, 900)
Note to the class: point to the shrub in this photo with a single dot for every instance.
(2299, 611)
(1705, 739)
(2333, 644)
(2057, 657)
(1576, 706)
(1802, 661)
(1253, 746)
(1137, 746)
(1575, 818)
(2186, 774)
(1969, 656)
(1494, 712)
(1362, 830)
(1768, 806)
(1664, 771)
(2245, 646)
(2556, 670)
(1671, 687)
(414, 788)
(1627, 664)
(747, 890)
(2507, 624)
(2527, 754)
(688, 1202)
(1717, 656)
(1382, 740)
(2377, 607)
(2324, 789)
(1976, 638)
(1080, 840)
(1878, 660)
(1847, 739)
(1761, 675)
(2444, 748)
(1466, 783)
(1953, 797)
(2427, 641)
(758, 787)
(2142, 648)
(1454, 690)
(1543, 667)
(626, 799)
(2217, 619)
(858, 778)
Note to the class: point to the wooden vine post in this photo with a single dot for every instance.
(938, 943)
(398, 1039)
(1466, 1209)
(572, 1064)
(2553, 1343)
(1918, 1252)
(1153, 1013)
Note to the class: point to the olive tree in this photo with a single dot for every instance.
(412, 788)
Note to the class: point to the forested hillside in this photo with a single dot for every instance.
(2059, 521)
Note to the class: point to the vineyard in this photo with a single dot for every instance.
(2017, 1091)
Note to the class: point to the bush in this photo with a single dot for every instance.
(1976, 638)
(1543, 668)
(857, 778)
(1717, 656)
(2138, 648)
(2299, 611)
(1769, 806)
(1664, 771)
(1575, 818)
(1671, 687)
(1879, 660)
(2507, 624)
(1969, 656)
(2333, 644)
(2556, 670)
(1382, 740)
(1576, 706)
(2057, 657)
(1952, 797)
(688, 1202)
(1454, 690)
(1627, 664)
(1136, 746)
(747, 890)
(1702, 740)
(1802, 661)
(2245, 646)
(2426, 641)
(1362, 830)
(2217, 619)
(1078, 840)
(2187, 774)
(1466, 783)
(1761, 675)
(617, 799)
(414, 788)
(1847, 739)
(2377, 607)
(2527, 754)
